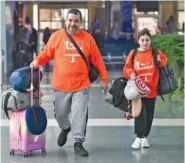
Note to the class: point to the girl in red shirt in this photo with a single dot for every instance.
(143, 65)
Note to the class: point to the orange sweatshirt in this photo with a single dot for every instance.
(144, 66)
(70, 73)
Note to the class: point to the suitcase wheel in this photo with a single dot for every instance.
(25, 154)
(43, 151)
(12, 152)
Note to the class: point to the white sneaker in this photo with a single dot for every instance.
(137, 143)
(145, 143)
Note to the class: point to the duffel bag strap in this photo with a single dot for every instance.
(157, 63)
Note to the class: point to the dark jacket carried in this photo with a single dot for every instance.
(117, 91)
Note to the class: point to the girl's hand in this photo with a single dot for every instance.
(133, 76)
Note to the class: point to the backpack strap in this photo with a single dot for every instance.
(155, 53)
(134, 53)
(6, 103)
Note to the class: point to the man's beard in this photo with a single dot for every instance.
(73, 29)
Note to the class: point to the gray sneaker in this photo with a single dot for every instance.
(79, 149)
(62, 138)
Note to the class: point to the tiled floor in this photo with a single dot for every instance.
(105, 145)
(109, 138)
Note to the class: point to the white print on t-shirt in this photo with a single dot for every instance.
(71, 47)
(144, 66)
(145, 75)
(73, 56)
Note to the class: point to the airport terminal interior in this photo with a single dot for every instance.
(109, 134)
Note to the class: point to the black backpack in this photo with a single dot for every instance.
(167, 82)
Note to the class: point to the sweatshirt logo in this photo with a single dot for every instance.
(69, 46)
(71, 51)
(143, 66)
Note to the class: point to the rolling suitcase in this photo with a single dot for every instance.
(20, 137)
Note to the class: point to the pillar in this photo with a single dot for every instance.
(107, 16)
(3, 40)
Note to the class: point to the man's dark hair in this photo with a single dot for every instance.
(75, 11)
(145, 31)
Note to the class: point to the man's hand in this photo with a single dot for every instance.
(104, 86)
(34, 64)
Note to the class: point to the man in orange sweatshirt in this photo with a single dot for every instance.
(70, 77)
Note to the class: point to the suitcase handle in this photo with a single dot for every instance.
(35, 116)
(31, 87)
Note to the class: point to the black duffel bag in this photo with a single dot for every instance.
(167, 82)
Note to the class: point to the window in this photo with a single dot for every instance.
(180, 6)
(45, 18)
(56, 18)
(44, 14)
(180, 20)
(56, 15)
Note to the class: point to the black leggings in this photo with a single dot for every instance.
(143, 122)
